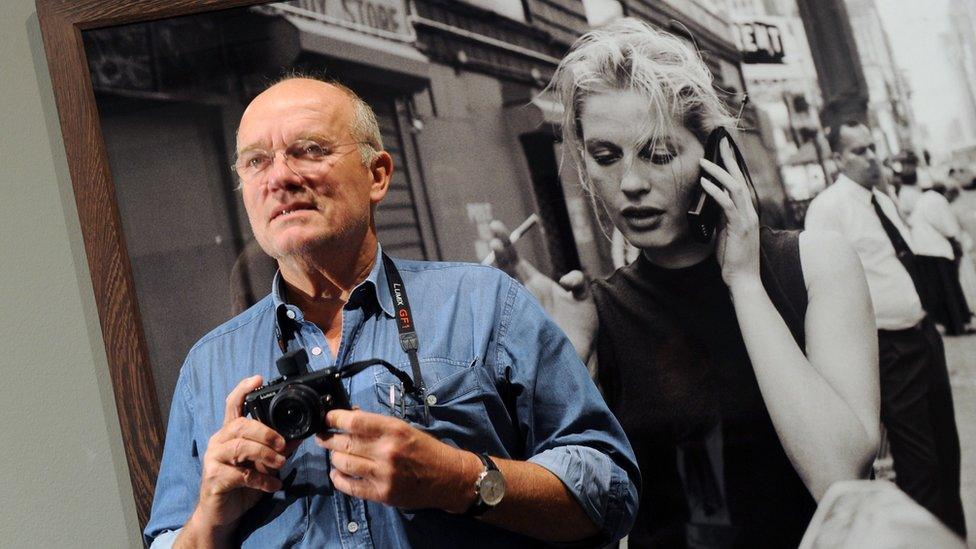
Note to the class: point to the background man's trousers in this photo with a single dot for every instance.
(916, 409)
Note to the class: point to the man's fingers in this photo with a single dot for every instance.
(575, 282)
(352, 486)
(235, 400)
(343, 442)
(241, 451)
(251, 429)
(359, 423)
(258, 481)
(353, 466)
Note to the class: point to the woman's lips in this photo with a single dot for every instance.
(642, 218)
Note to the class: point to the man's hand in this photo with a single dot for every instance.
(238, 469)
(569, 302)
(386, 460)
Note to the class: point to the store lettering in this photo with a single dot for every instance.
(371, 14)
(363, 13)
(760, 43)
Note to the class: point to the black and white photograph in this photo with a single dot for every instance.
(526, 273)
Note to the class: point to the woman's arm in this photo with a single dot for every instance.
(825, 404)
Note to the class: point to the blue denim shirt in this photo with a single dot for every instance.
(504, 379)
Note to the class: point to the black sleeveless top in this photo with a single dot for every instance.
(675, 371)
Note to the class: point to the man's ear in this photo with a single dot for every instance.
(381, 170)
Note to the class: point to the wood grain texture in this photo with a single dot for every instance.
(62, 23)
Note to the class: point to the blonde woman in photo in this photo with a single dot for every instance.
(744, 369)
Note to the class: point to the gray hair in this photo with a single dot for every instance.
(630, 55)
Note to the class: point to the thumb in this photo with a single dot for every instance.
(575, 282)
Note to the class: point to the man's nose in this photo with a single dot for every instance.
(281, 175)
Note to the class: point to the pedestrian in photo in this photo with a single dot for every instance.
(916, 399)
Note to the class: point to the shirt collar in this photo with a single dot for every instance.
(854, 188)
(374, 285)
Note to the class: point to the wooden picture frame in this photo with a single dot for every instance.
(62, 23)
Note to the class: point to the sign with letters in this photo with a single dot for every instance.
(383, 18)
(773, 58)
(760, 42)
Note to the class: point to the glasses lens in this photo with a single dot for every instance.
(250, 164)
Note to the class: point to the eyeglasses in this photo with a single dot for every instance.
(303, 157)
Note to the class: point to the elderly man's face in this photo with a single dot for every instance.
(298, 211)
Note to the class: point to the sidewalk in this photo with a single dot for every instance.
(961, 356)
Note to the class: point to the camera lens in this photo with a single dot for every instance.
(296, 412)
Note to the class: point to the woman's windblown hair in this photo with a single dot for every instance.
(629, 55)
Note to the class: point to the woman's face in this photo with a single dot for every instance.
(645, 186)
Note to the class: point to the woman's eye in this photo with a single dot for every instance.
(604, 157)
(657, 156)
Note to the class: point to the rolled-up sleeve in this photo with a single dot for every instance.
(178, 483)
(566, 425)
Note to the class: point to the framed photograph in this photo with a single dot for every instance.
(149, 96)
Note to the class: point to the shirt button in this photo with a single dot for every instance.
(431, 400)
(353, 527)
(290, 314)
(316, 350)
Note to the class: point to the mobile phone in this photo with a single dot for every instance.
(703, 210)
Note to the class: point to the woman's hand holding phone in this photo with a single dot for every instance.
(568, 302)
(737, 241)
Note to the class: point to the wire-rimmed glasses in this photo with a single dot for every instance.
(303, 156)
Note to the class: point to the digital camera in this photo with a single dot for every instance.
(295, 404)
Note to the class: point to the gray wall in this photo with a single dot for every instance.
(63, 473)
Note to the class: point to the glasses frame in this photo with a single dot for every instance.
(273, 154)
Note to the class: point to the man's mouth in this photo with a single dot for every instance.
(288, 209)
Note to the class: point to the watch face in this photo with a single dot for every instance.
(492, 488)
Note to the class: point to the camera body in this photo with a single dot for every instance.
(295, 404)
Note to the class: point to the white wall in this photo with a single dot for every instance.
(63, 476)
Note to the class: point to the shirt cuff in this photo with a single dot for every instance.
(601, 488)
(165, 540)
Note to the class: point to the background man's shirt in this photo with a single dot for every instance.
(846, 207)
(502, 379)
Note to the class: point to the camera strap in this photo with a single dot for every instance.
(405, 325)
(285, 332)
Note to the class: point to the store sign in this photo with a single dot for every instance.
(774, 59)
(383, 18)
(760, 42)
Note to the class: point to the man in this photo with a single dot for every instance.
(916, 400)
(497, 387)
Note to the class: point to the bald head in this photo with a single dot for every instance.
(311, 95)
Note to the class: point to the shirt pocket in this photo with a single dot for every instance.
(454, 394)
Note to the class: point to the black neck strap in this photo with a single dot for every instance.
(285, 332)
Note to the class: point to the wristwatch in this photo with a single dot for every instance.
(489, 489)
